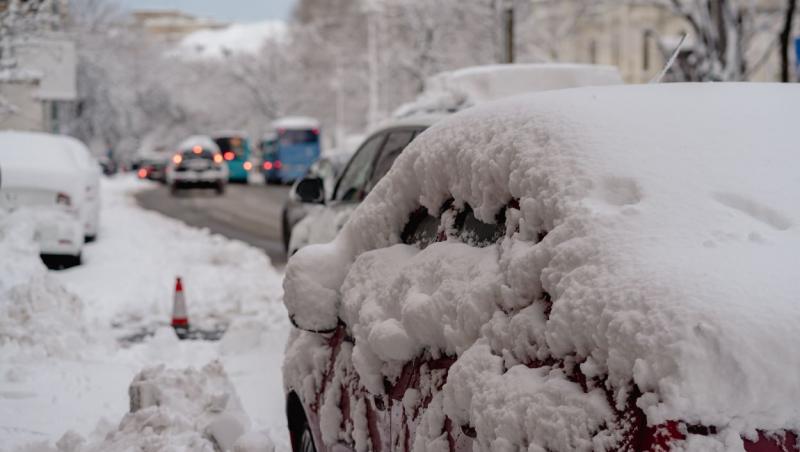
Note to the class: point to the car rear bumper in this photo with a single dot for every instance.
(61, 238)
(198, 177)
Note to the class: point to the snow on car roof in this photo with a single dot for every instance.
(456, 90)
(198, 140)
(35, 150)
(295, 122)
(671, 252)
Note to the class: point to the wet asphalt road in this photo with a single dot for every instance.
(250, 213)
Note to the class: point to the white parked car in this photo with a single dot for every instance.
(90, 167)
(197, 164)
(41, 174)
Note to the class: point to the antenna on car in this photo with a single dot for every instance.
(670, 62)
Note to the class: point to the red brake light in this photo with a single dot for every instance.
(278, 164)
(142, 174)
(63, 199)
(315, 131)
(228, 155)
(267, 165)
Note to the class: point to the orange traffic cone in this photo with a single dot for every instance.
(180, 318)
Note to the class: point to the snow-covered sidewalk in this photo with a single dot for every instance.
(63, 367)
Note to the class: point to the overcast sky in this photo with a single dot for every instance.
(227, 10)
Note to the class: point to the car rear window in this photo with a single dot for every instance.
(423, 228)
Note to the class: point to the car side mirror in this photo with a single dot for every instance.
(311, 190)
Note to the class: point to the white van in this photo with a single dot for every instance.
(39, 173)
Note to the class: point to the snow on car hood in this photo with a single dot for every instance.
(672, 221)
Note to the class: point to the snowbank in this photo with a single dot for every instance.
(37, 315)
(64, 368)
(180, 410)
(652, 251)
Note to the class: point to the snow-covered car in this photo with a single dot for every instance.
(197, 164)
(605, 268)
(444, 94)
(327, 169)
(90, 168)
(366, 167)
(40, 174)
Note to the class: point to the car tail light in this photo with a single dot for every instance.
(63, 199)
(315, 131)
(177, 159)
(142, 173)
(228, 155)
(197, 149)
(217, 158)
(247, 166)
(278, 164)
(267, 166)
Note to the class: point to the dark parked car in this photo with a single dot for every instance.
(326, 169)
(368, 165)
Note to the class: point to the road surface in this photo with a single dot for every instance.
(250, 213)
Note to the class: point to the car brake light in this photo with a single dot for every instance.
(217, 158)
(267, 165)
(177, 159)
(228, 155)
(197, 149)
(247, 166)
(278, 164)
(315, 131)
(142, 173)
(63, 199)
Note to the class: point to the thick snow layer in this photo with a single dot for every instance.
(234, 39)
(670, 214)
(455, 90)
(27, 150)
(63, 367)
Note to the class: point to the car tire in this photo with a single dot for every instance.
(220, 188)
(306, 440)
(173, 189)
(286, 231)
(89, 238)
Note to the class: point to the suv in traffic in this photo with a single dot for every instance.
(197, 164)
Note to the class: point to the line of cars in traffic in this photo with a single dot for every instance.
(284, 155)
(599, 268)
(55, 180)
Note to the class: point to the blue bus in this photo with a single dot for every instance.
(290, 150)
(235, 149)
